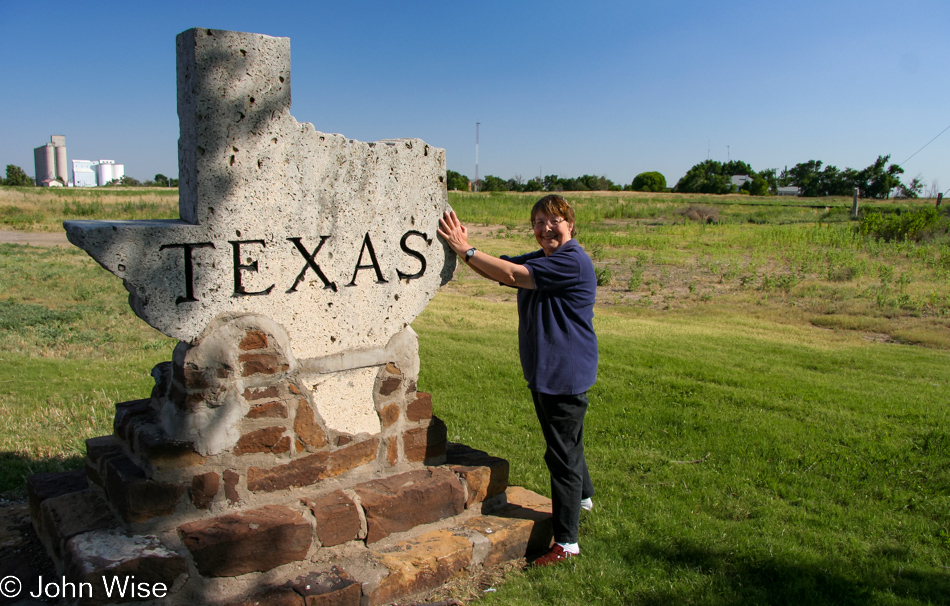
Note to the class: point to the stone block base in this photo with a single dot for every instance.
(376, 542)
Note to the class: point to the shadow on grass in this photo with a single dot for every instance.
(16, 468)
(736, 579)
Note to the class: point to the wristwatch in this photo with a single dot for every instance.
(469, 254)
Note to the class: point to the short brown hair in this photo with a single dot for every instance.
(554, 204)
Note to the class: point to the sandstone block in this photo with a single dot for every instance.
(337, 517)
(420, 409)
(406, 500)
(42, 486)
(421, 564)
(527, 505)
(312, 468)
(67, 515)
(272, 596)
(239, 543)
(508, 537)
(426, 444)
(484, 475)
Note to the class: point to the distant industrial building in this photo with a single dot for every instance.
(51, 167)
(84, 173)
(50, 163)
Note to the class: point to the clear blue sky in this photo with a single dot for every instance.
(609, 88)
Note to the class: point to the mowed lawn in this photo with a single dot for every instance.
(762, 431)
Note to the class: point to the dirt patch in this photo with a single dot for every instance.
(33, 238)
(22, 555)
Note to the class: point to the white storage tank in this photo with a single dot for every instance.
(103, 173)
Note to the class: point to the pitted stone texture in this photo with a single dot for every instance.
(104, 554)
(333, 587)
(266, 200)
(407, 500)
(239, 543)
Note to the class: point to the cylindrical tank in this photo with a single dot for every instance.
(61, 169)
(103, 174)
(118, 171)
(49, 163)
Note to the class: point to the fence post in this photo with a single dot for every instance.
(939, 199)
(854, 205)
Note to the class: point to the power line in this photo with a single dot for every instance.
(926, 144)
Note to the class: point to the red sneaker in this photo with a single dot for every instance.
(557, 554)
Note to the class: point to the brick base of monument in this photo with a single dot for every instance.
(331, 529)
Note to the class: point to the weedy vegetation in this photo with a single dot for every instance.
(770, 423)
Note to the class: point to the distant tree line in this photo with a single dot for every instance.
(879, 180)
(16, 177)
(458, 181)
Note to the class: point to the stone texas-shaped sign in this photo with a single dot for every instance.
(333, 239)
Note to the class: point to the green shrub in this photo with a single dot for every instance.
(917, 225)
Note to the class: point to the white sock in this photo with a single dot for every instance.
(587, 504)
(571, 548)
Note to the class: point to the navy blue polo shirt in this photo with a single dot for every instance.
(556, 337)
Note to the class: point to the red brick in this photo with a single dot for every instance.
(426, 443)
(265, 364)
(137, 498)
(406, 500)
(253, 339)
(252, 541)
(269, 439)
(337, 517)
(390, 385)
(333, 587)
(392, 451)
(42, 486)
(306, 427)
(231, 479)
(312, 468)
(204, 487)
(261, 394)
(508, 537)
(389, 415)
(420, 409)
(274, 409)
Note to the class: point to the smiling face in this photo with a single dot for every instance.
(551, 231)
(553, 221)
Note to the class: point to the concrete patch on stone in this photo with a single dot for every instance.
(355, 388)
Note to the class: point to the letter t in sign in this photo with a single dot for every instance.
(189, 269)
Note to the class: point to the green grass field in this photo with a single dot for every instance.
(770, 423)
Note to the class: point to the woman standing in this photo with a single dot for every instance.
(556, 290)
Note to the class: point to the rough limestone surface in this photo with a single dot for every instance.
(334, 239)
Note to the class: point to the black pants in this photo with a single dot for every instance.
(562, 421)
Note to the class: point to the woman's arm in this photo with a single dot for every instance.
(456, 236)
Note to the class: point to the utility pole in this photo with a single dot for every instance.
(477, 124)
